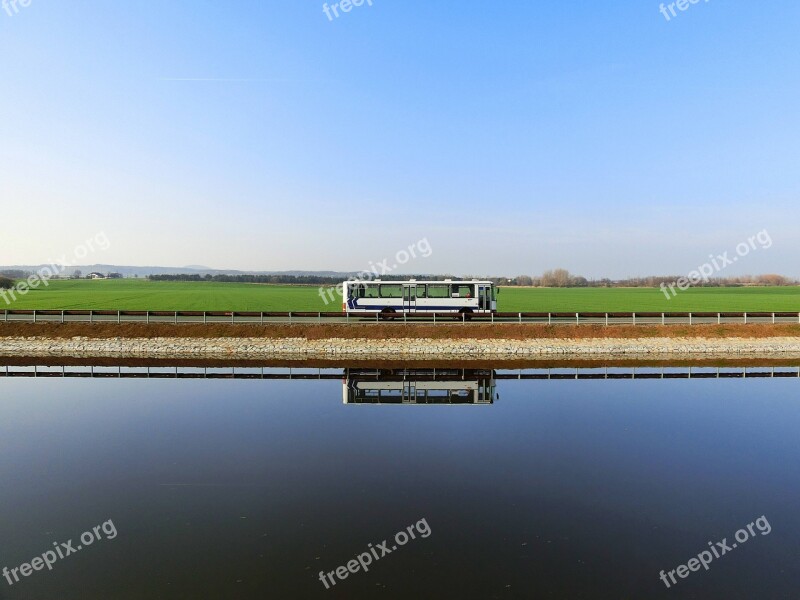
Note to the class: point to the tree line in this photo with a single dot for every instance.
(14, 274)
(559, 278)
(284, 279)
(563, 278)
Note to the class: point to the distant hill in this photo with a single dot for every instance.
(144, 271)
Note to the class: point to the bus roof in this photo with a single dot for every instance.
(417, 281)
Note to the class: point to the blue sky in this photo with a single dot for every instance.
(514, 136)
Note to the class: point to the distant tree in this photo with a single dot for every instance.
(563, 278)
(77, 273)
(771, 279)
(524, 280)
(556, 278)
(579, 282)
(6, 283)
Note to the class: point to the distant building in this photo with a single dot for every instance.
(96, 275)
(115, 276)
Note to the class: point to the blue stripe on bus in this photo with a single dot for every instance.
(353, 306)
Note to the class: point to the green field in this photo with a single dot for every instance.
(140, 294)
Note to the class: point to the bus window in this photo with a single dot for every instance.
(394, 290)
(370, 291)
(438, 291)
(421, 291)
(463, 291)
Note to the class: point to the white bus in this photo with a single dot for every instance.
(393, 298)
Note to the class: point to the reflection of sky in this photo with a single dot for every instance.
(606, 483)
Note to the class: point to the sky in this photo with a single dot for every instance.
(513, 137)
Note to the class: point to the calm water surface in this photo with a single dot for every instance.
(549, 489)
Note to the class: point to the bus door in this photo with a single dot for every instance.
(486, 390)
(410, 298)
(409, 393)
(484, 298)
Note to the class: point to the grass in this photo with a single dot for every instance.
(753, 299)
(140, 294)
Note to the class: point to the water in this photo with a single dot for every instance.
(527, 488)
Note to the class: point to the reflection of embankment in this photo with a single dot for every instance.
(399, 380)
(699, 361)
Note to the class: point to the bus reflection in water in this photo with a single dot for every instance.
(419, 386)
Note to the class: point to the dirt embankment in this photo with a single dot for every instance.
(504, 331)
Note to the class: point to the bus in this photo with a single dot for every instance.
(393, 298)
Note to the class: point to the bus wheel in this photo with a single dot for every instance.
(388, 314)
(465, 314)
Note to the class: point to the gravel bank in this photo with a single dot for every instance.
(426, 349)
